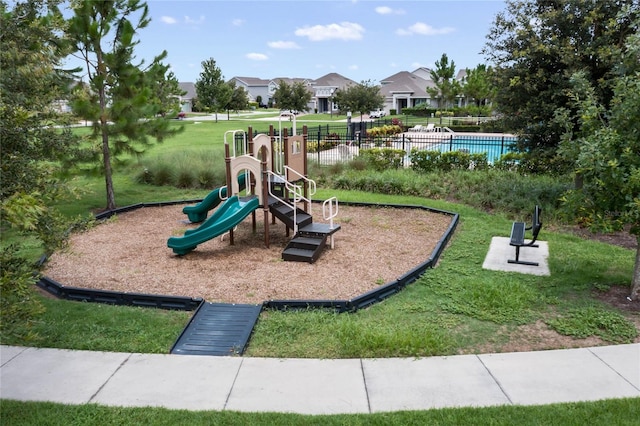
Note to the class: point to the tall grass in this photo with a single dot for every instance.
(489, 190)
(203, 168)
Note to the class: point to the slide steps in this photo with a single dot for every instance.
(310, 240)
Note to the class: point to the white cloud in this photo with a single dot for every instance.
(192, 21)
(257, 56)
(283, 45)
(353, 67)
(421, 28)
(238, 22)
(341, 31)
(385, 10)
(168, 20)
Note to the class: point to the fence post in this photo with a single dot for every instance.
(502, 146)
(450, 142)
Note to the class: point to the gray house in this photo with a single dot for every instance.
(406, 89)
(409, 89)
(254, 87)
(187, 100)
(325, 87)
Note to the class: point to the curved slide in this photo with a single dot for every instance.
(229, 214)
(198, 213)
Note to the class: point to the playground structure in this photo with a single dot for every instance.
(272, 173)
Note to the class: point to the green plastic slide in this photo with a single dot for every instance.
(198, 212)
(226, 217)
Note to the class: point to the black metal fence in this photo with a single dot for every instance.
(330, 143)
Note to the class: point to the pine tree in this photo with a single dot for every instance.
(119, 100)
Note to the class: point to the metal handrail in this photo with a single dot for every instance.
(296, 190)
(310, 182)
(330, 202)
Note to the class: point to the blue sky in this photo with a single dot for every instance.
(359, 39)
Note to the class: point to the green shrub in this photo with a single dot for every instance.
(323, 145)
(162, 174)
(424, 161)
(184, 178)
(509, 161)
(430, 161)
(381, 159)
(207, 178)
(18, 306)
(144, 176)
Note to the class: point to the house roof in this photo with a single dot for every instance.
(190, 88)
(406, 82)
(291, 80)
(252, 81)
(333, 80)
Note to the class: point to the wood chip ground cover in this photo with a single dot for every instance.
(129, 253)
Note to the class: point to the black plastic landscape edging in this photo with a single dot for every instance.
(119, 298)
(190, 304)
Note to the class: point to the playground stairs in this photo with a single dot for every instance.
(286, 214)
(308, 243)
(218, 329)
(310, 240)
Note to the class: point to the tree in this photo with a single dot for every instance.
(33, 151)
(120, 102)
(447, 87)
(164, 88)
(295, 97)
(606, 150)
(212, 92)
(477, 84)
(362, 98)
(239, 98)
(536, 46)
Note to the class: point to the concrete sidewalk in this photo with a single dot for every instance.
(312, 386)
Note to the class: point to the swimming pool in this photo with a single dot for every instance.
(493, 145)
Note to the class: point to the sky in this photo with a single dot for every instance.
(359, 39)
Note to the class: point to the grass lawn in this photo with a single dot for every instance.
(617, 412)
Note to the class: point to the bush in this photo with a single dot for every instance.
(208, 179)
(381, 159)
(185, 179)
(386, 130)
(422, 110)
(430, 161)
(162, 175)
(18, 306)
(509, 161)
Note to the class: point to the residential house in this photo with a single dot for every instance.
(187, 100)
(255, 87)
(407, 89)
(275, 82)
(324, 88)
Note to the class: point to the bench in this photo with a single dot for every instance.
(518, 230)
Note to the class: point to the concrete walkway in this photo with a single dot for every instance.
(312, 386)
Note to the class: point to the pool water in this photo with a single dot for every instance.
(493, 146)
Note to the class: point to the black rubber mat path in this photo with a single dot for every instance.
(219, 329)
